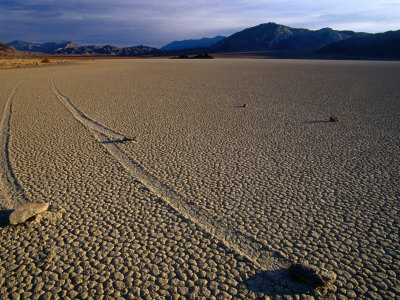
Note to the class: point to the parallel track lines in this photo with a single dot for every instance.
(254, 250)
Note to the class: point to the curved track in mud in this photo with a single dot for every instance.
(255, 251)
(12, 191)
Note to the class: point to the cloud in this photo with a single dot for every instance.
(155, 23)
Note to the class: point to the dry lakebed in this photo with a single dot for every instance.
(201, 179)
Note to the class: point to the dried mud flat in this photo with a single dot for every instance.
(212, 199)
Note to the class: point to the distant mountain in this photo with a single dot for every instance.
(108, 50)
(269, 39)
(10, 52)
(275, 37)
(192, 44)
(379, 45)
(71, 48)
(44, 48)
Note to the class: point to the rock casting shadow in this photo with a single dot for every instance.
(276, 283)
(4, 217)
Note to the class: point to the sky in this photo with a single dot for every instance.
(158, 22)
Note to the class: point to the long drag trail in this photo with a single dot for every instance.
(254, 250)
(12, 191)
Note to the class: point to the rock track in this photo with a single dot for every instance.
(12, 191)
(252, 249)
(123, 242)
(114, 238)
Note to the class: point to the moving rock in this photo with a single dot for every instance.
(311, 275)
(334, 119)
(26, 211)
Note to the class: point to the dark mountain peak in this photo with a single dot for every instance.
(262, 28)
(270, 25)
(192, 43)
(325, 29)
(276, 37)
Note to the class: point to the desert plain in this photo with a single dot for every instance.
(162, 184)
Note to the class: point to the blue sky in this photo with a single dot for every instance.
(156, 23)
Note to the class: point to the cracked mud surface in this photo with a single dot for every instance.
(274, 173)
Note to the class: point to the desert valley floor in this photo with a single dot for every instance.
(210, 199)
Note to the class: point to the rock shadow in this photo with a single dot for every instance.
(276, 284)
(317, 121)
(114, 141)
(5, 216)
(120, 141)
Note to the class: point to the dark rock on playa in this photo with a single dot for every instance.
(334, 119)
(310, 275)
(26, 211)
(327, 276)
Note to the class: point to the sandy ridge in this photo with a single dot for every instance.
(9, 184)
(254, 250)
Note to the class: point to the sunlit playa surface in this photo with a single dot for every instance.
(206, 178)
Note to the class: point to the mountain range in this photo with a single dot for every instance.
(71, 48)
(275, 37)
(51, 47)
(269, 38)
